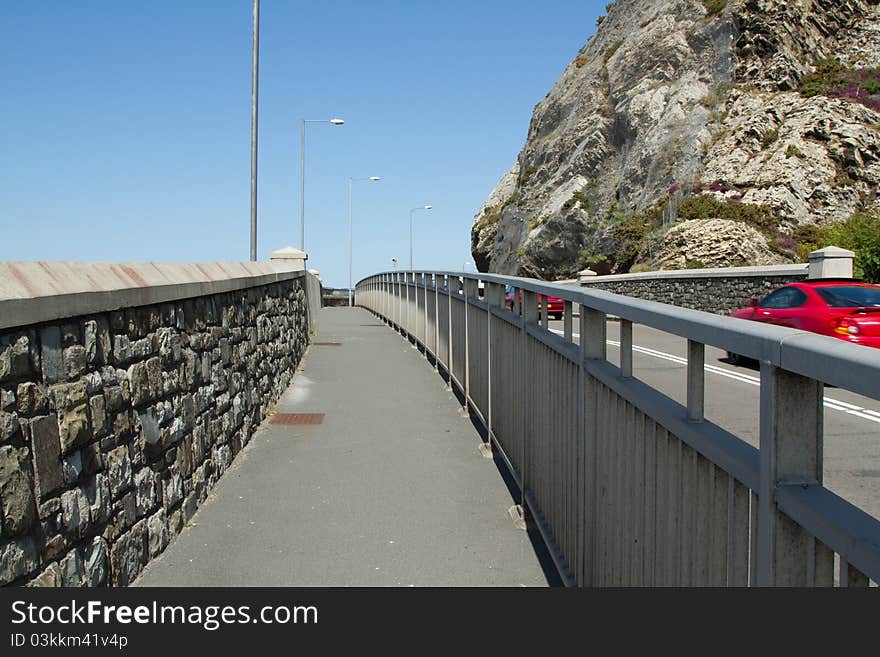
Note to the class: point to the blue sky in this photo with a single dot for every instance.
(125, 126)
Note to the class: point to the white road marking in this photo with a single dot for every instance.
(835, 404)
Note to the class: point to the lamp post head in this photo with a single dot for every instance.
(428, 207)
(337, 121)
(375, 178)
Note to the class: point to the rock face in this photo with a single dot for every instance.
(669, 93)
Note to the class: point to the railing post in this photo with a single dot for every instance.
(696, 380)
(567, 320)
(470, 290)
(494, 299)
(626, 348)
(399, 277)
(529, 307)
(437, 279)
(425, 303)
(791, 445)
(453, 287)
(593, 346)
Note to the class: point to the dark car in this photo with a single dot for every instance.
(841, 308)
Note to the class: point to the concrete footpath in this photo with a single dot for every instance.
(389, 490)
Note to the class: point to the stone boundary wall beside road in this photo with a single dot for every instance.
(115, 422)
(719, 291)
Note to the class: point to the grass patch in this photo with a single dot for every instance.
(578, 197)
(793, 151)
(716, 96)
(769, 138)
(714, 7)
(610, 52)
(695, 263)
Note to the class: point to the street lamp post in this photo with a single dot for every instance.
(302, 175)
(255, 86)
(424, 207)
(350, 185)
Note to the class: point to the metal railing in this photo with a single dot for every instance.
(627, 486)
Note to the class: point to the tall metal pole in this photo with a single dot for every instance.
(302, 186)
(254, 101)
(410, 240)
(350, 185)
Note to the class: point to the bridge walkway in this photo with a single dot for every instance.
(389, 489)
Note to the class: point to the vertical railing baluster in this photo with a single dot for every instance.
(567, 320)
(470, 290)
(437, 279)
(791, 452)
(696, 380)
(626, 348)
(494, 299)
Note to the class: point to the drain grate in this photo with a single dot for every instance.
(297, 418)
(326, 344)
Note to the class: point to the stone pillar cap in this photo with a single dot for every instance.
(288, 253)
(831, 252)
(587, 272)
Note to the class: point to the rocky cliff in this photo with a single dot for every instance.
(693, 131)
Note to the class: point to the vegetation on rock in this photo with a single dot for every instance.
(860, 234)
(834, 79)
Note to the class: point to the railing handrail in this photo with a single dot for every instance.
(844, 365)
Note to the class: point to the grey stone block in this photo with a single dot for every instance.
(49, 578)
(46, 446)
(75, 362)
(95, 557)
(50, 353)
(72, 569)
(18, 557)
(129, 554)
(16, 494)
(75, 512)
(119, 470)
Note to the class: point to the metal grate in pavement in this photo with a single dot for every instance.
(289, 419)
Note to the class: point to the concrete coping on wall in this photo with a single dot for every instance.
(36, 292)
(725, 272)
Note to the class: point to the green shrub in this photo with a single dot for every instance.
(714, 7)
(610, 52)
(578, 197)
(716, 96)
(861, 235)
(834, 79)
(769, 138)
(841, 179)
(793, 151)
(696, 263)
(589, 258)
(491, 215)
(706, 206)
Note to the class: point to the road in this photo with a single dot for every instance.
(852, 422)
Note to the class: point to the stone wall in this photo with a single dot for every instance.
(115, 425)
(719, 291)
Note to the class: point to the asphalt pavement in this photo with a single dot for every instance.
(389, 490)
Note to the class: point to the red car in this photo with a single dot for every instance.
(555, 306)
(842, 308)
